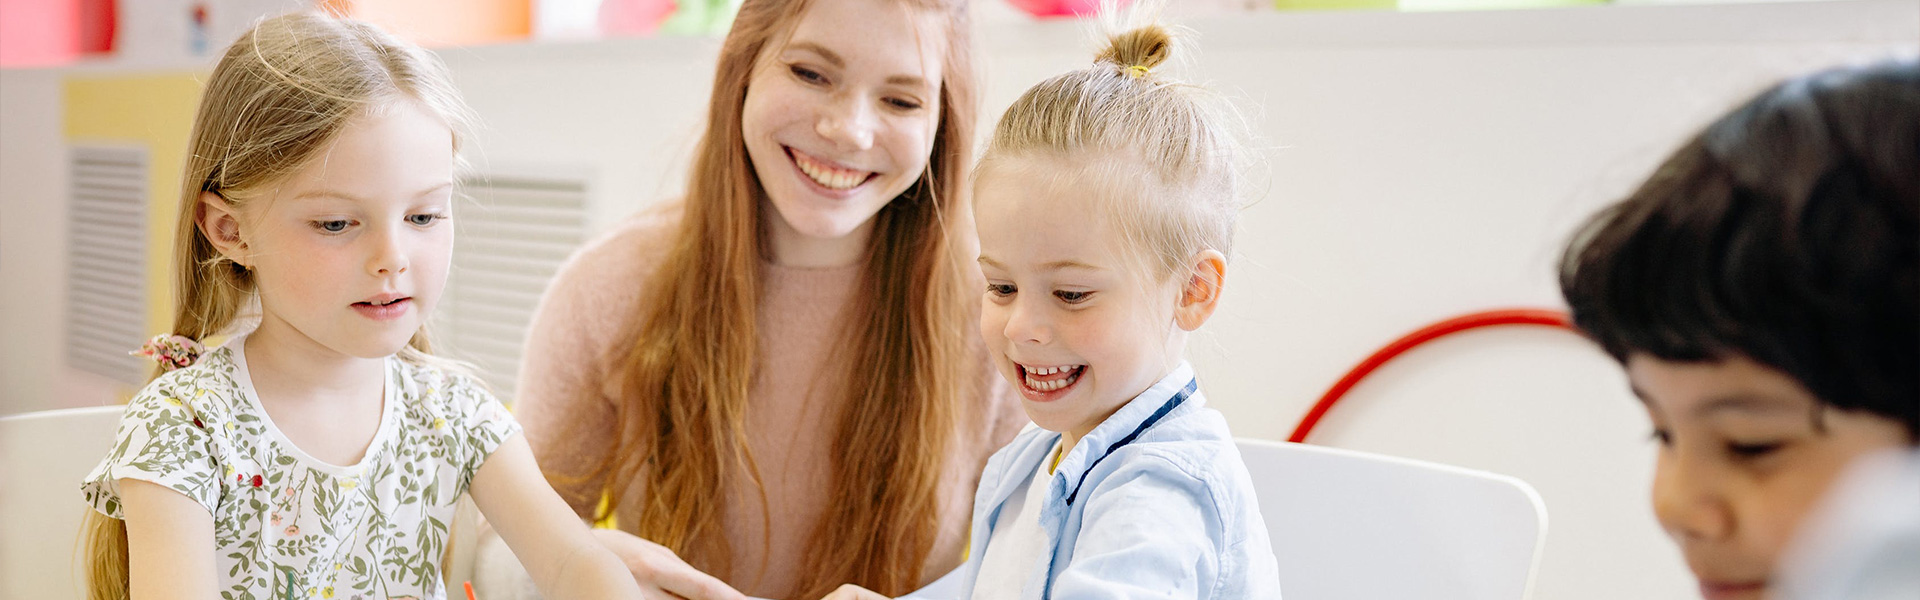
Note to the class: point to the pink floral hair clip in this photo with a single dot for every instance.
(171, 351)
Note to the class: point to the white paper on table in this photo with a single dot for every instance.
(947, 587)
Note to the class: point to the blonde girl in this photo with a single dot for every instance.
(772, 385)
(1106, 203)
(320, 454)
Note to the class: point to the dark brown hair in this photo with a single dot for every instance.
(1786, 232)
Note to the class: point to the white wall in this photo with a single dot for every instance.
(1423, 165)
(30, 226)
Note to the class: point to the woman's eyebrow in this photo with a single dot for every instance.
(832, 58)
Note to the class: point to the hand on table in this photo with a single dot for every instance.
(854, 592)
(661, 574)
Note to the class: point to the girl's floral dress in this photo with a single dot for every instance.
(287, 525)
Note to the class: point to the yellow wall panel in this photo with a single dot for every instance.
(153, 111)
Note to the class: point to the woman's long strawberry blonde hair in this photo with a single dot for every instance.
(278, 98)
(684, 381)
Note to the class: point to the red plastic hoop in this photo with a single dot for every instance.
(1466, 322)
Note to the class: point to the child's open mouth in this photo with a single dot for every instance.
(1047, 383)
(384, 308)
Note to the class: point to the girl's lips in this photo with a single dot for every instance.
(386, 312)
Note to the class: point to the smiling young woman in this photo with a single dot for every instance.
(777, 379)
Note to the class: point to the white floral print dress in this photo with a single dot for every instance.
(287, 525)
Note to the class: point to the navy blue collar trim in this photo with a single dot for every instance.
(1172, 403)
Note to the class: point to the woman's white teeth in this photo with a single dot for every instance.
(829, 177)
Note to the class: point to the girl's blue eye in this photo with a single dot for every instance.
(1072, 297)
(334, 226)
(903, 104)
(1000, 289)
(423, 220)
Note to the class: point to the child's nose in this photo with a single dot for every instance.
(1687, 504)
(1026, 325)
(388, 257)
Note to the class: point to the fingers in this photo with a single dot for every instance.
(684, 581)
(661, 574)
(854, 592)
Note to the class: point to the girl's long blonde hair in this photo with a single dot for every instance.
(276, 100)
(684, 381)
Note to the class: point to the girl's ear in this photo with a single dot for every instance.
(220, 223)
(1200, 294)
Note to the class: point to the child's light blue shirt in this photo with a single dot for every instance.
(1153, 503)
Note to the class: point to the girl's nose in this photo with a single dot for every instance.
(388, 258)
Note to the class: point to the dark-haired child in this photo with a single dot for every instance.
(1761, 290)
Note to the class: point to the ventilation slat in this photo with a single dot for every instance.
(105, 300)
(107, 360)
(505, 263)
(95, 201)
(111, 354)
(512, 240)
(495, 349)
(105, 232)
(106, 260)
(537, 215)
(113, 337)
(480, 297)
(104, 267)
(529, 230)
(507, 333)
(496, 281)
(108, 333)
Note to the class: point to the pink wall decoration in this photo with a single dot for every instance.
(1060, 8)
(634, 17)
(38, 33)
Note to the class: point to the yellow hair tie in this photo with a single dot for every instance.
(1137, 71)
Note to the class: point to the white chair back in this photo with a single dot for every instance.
(43, 457)
(1350, 525)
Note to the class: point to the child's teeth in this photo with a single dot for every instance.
(1048, 386)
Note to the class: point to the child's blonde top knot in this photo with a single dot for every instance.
(1173, 149)
(1139, 50)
